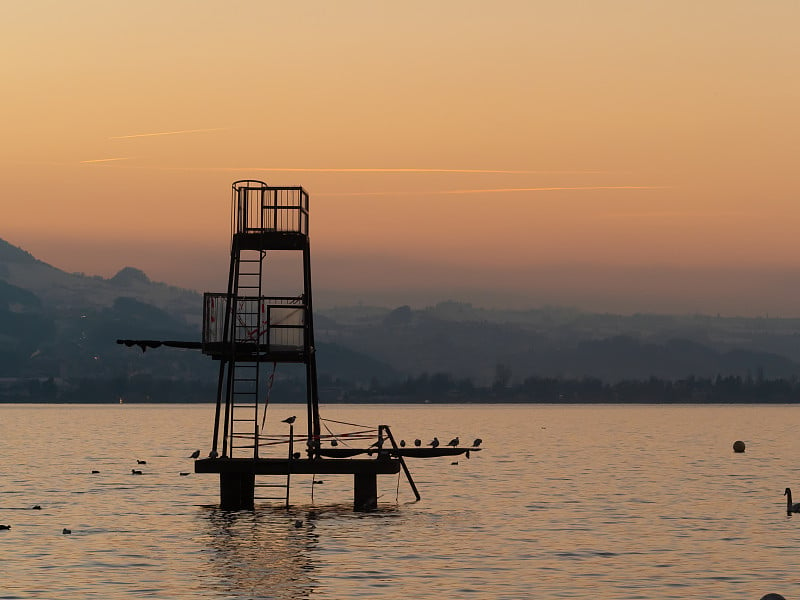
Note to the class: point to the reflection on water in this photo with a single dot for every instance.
(262, 553)
(273, 552)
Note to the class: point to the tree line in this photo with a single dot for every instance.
(425, 387)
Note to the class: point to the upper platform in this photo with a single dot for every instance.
(281, 213)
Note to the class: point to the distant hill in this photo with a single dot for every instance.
(76, 291)
(470, 342)
(62, 325)
(55, 324)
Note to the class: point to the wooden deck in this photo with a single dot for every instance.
(303, 466)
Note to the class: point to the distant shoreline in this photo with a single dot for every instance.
(423, 403)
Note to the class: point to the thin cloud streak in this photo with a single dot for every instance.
(664, 214)
(410, 170)
(100, 160)
(379, 170)
(160, 133)
(500, 190)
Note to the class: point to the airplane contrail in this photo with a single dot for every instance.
(410, 170)
(158, 133)
(98, 160)
(500, 190)
(670, 214)
(378, 169)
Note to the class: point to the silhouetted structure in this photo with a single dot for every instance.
(246, 329)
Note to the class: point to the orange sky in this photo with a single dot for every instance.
(635, 155)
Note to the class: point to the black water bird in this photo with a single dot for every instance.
(66, 531)
(135, 472)
(454, 442)
(213, 454)
(5, 527)
(791, 508)
(455, 462)
(418, 443)
(195, 454)
(289, 420)
(434, 442)
(183, 473)
(95, 471)
(477, 442)
(402, 443)
(296, 455)
(334, 443)
(141, 462)
(318, 481)
(36, 507)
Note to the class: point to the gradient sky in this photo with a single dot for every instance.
(613, 155)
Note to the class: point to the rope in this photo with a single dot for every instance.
(362, 434)
(270, 381)
(346, 423)
(397, 492)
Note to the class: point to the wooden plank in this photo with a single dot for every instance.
(407, 452)
(280, 466)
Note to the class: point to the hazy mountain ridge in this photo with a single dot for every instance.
(56, 324)
(62, 325)
(470, 342)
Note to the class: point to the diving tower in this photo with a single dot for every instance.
(250, 330)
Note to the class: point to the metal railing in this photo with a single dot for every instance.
(258, 207)
(270, 323)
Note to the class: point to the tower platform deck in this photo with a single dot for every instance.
(265, 239)
(302, 466)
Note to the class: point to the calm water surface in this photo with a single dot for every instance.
(607, 502)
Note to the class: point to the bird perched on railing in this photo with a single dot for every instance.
(454, 442)
(434, 442)
(195, 454)
(418, 442)
(477, 442)
(289, 420)
(402, 443)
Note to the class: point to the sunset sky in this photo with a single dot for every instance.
(612, 155)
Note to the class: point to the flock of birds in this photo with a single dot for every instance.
(434, 443)
(65, 530)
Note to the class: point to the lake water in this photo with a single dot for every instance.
(604, 502)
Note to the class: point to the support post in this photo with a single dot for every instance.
(365, 492)
(237, 491)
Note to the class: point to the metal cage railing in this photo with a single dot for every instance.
(258, 207)
(266, 322)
